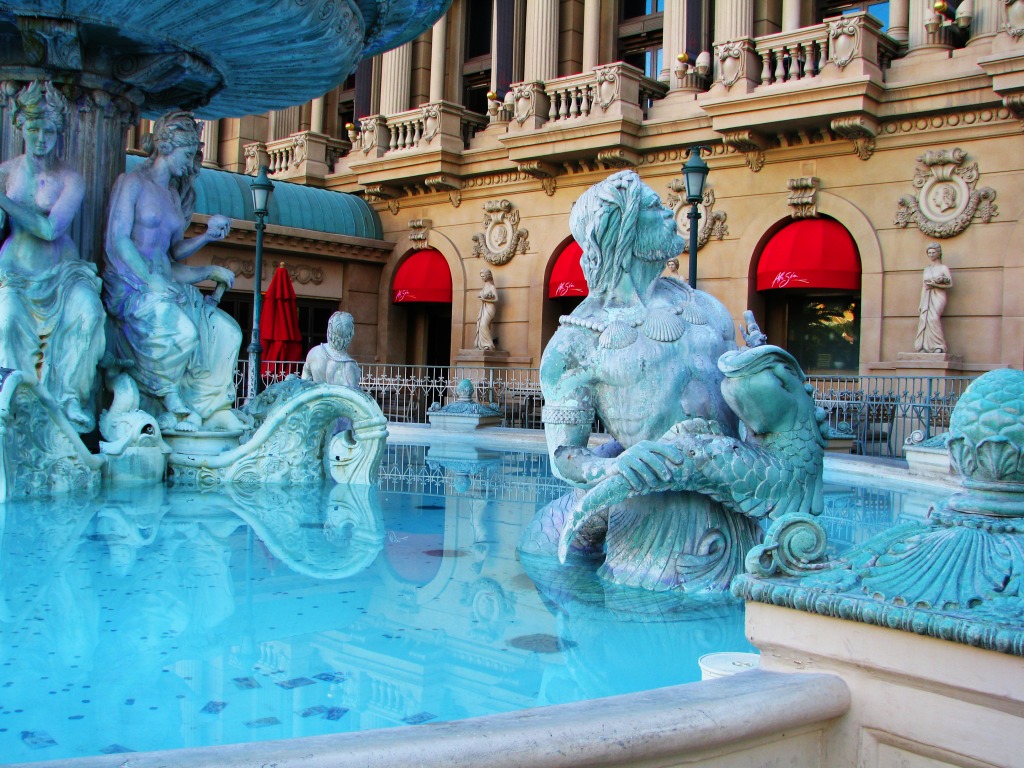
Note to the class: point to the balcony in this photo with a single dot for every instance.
(303, 157)
(827, 77)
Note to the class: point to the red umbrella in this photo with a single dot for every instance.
(279, 327)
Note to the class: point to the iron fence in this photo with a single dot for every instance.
(875, 414)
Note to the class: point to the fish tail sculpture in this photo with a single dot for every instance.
(775, 470)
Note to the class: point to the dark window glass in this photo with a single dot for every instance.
(478, 29)
(823, 332)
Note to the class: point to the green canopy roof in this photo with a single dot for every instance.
(292, 205)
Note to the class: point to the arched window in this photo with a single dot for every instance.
(809, 276)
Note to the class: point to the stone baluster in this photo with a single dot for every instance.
(780, 66)
(438, 49)
(766, 66)
(396, 72)
(585, 102)
(541, 58)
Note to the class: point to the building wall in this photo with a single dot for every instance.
(761, 136)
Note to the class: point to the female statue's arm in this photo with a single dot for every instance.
(48, 226)
(217, 228)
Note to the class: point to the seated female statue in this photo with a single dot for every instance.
(51, 317)
(181, 349)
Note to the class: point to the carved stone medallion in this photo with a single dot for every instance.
(947, 199)
(712, 222)
(502, 237)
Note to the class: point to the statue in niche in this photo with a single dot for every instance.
(937, 281)
(51, 316)
(178, 347)
(488, 308)
(330, 363)
(708, 439)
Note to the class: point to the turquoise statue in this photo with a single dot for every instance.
(177, 346)
(51, 317)
(957, 575)
(672, 503)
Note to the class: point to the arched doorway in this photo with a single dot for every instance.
(421, 293)
(809, 277)
(565, 288)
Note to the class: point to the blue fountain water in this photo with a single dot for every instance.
(165, 618)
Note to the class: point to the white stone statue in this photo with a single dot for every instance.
(488, 308)
(937, 280)
(182, 350)
(51, 316)
(330, 363)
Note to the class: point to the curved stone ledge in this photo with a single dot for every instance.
(702, 723)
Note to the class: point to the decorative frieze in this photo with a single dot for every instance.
(713, 222)
(303, 274)
(803, 197)
(502, 237)
(947, 199)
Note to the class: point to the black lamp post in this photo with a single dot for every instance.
(695, 173)
(262, 188)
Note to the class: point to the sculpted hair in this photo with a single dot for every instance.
(171, 131)
(36, 102)
(341, 327)
(606, 223)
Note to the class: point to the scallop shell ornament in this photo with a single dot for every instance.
(617, 335)
(662, 325)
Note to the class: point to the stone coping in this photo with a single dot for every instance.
(663, 726)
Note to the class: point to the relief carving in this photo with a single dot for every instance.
(712, 222)
(1014, 18)
(419, 233)
(947, 199)
(502, 237)
(802, 197)
(730, 61)
(844, 34)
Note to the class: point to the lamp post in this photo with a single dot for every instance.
(262, 188)
(695, 173)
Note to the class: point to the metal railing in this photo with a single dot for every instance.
(875, 414)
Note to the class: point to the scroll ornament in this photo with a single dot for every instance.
(712, 222)
(947, 200)
(502, 237)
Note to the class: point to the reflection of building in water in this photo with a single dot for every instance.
(508, 475)
(852, 515)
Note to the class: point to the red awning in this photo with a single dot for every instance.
(811, 253)
(567, 275)
(424, 276)
(280, 336)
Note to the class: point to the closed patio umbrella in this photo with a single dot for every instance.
(279, 329)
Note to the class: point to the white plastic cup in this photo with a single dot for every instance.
(723, 664)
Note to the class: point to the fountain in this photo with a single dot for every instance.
(75, 75)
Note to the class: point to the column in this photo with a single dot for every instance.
(502, 41)
(541, 58)
(592, 32)
(395, 80)
(985, 22)
(899, 19)
(316, 115)
(734, 20)
(211, 143)
(438, 51)
(791, 15)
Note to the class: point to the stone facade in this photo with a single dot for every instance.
(805, 116)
